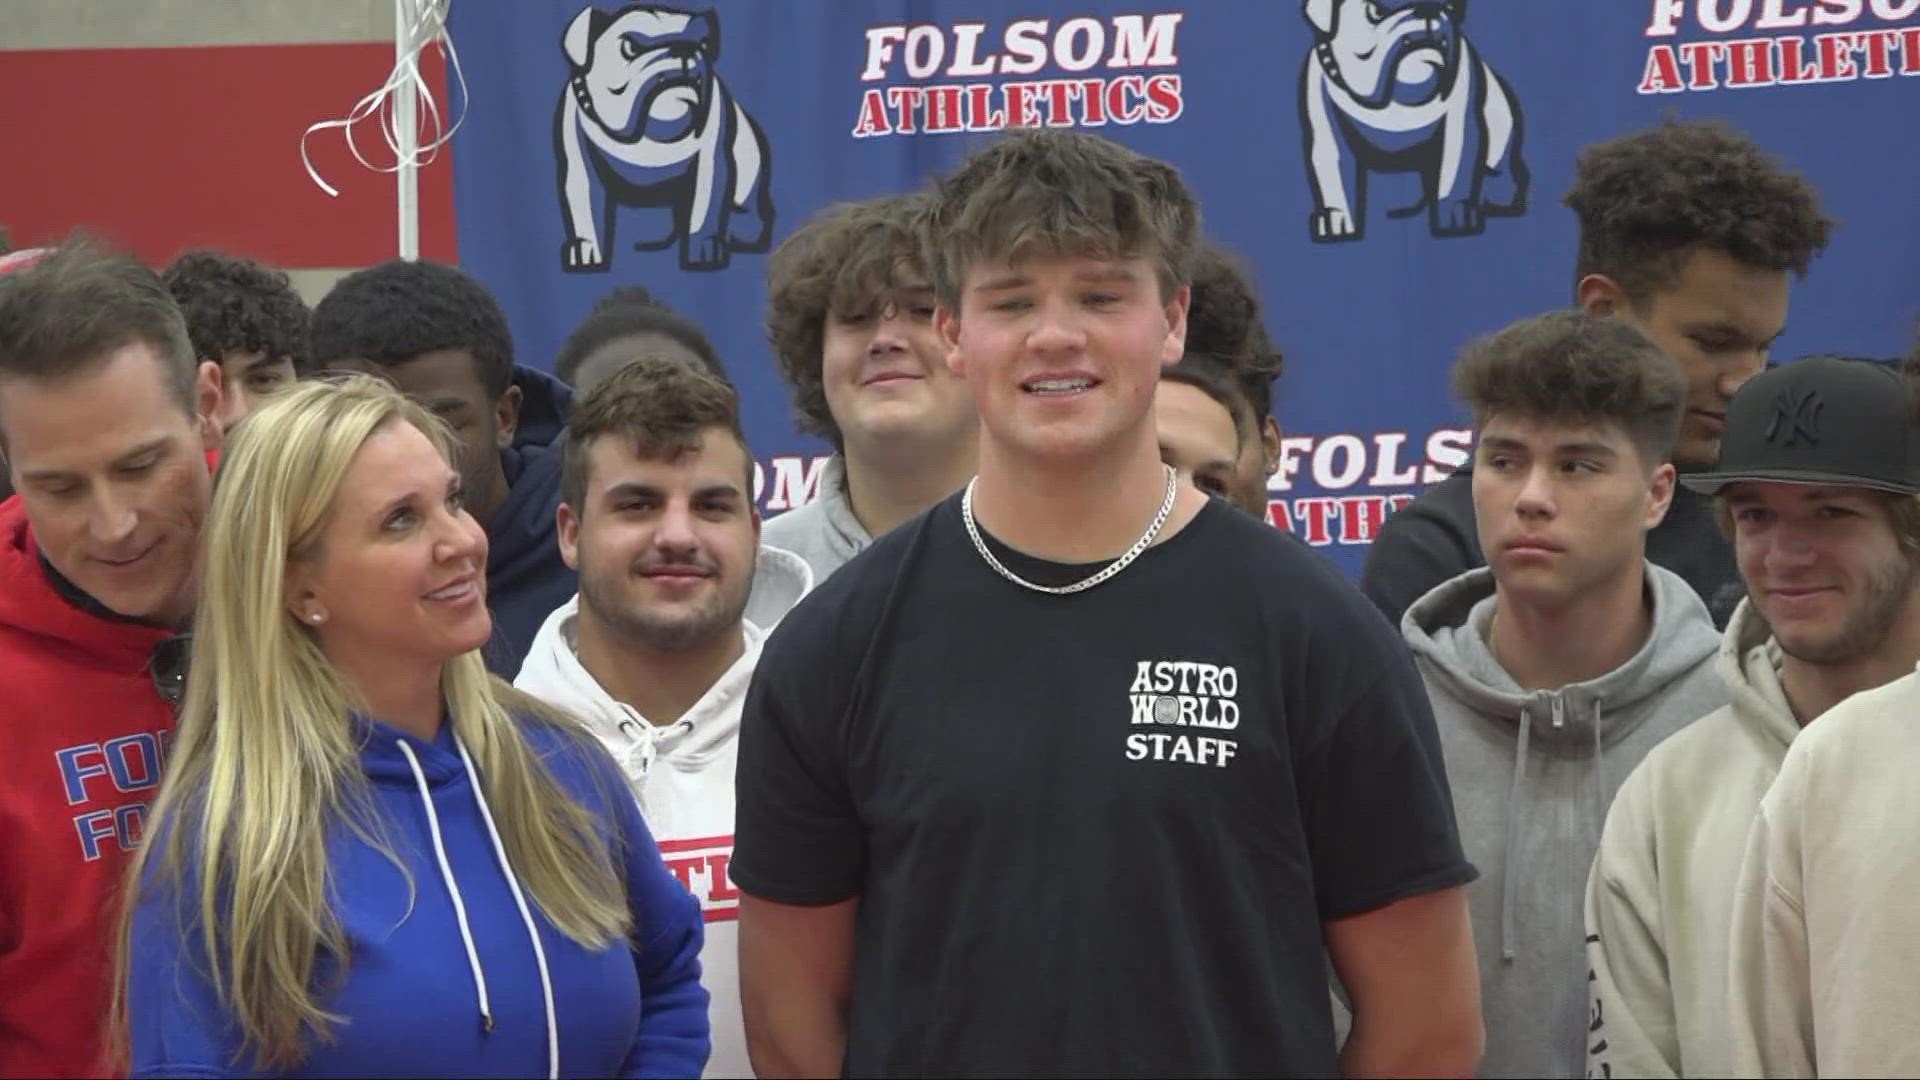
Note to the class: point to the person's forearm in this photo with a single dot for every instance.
(796, 985)
(1413, 1046)
(797, 1036)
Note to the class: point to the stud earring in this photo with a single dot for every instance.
(317, 618)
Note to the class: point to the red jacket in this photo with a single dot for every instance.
(84, 733)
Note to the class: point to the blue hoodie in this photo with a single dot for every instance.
(420, 978)
(526, 578)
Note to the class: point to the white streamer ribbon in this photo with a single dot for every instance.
(429, 28)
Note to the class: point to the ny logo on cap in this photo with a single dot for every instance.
(1796, 416)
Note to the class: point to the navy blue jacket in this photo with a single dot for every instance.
(526, 578)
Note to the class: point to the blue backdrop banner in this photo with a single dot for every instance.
(608, 145)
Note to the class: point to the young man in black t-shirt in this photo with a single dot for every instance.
(1082, 772)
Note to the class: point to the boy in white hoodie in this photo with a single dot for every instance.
(1556, 668)
(1660, 900)
(654, 654)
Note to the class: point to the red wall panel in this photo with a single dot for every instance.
(165, 148)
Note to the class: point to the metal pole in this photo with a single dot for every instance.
(406, 130)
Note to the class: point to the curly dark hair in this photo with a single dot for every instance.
(1223, 321)
(392, 313)
(841, 262)
(234, 304)
(1572, 366)
(661, 406)
(629, 311)
(1647, 199)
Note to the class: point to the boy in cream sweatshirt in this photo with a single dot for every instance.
(1825, 960)
(1815, 484)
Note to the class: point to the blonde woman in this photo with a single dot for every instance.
(370, 857)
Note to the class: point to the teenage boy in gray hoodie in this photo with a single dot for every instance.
(1555, 668)
(850, 318)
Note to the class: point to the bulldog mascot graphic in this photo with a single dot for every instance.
(1395, 86)
(645, 121)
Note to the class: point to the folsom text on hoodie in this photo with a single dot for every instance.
(85, 737)
(1532, 774)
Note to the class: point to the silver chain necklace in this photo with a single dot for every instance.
(1112, 568)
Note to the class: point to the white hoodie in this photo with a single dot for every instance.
(1825, 966)
(682, 774)
(1660, 898)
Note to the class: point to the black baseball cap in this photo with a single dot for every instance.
(1822, 420)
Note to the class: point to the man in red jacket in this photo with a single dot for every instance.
(105, 424)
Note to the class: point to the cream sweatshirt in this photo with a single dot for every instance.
(1659, 901)
(1825, 972)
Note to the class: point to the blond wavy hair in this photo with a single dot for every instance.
(264, 749)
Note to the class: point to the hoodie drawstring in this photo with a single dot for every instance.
(453, 890)
(1511, 885)
(641, 752)
(1599, 781)
(526, 917)
(460, 907)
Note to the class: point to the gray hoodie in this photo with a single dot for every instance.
(824, 532)
(1532, 775)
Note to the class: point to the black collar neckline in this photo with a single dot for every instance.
(78, 597)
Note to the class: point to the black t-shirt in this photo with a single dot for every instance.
(1093, 834)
